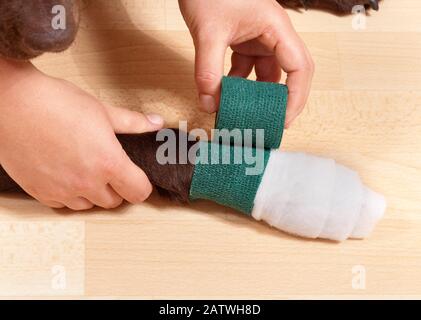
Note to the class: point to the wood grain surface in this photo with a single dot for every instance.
(364, 111)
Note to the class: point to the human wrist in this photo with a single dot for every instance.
(12, 72)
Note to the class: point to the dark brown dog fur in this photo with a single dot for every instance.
(171, 180)
(26, 32)
(339, 7)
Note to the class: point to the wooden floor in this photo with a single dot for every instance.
(364, 111)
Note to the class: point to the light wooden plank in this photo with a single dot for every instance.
(394, 16)
(40, 258)
(380, 61)
(217, 257)
(162, 59)
(386, 61)
(124, 14)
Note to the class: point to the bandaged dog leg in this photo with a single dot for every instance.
(297, 193)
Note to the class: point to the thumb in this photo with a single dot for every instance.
(209, 69)
(127, 121)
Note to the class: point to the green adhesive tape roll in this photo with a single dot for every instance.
(229, 175)
(253, 105)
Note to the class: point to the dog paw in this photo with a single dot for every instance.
(340, 7)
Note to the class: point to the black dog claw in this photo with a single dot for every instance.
(374, 4)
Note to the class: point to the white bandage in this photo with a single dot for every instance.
(314, 197)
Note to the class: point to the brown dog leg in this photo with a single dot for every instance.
(171, 180)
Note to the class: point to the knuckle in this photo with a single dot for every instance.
(81, 185)
(108, 165)
(269, 37)
(60, 194)
(205, 31)
(206, 77)
(269, 32)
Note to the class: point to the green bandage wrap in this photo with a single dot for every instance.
(253, 105)
(228, 175)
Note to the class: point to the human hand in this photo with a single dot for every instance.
(261, 35)
(58, 143)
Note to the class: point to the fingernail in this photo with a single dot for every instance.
(208, 103)
(155, 119)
